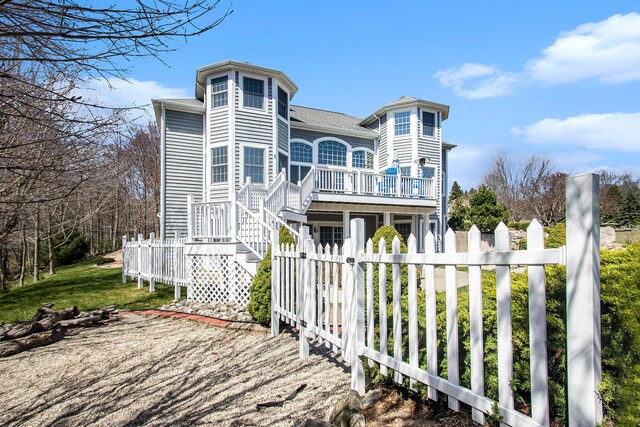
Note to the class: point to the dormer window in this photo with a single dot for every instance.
(428, 123)
(283, 103)
(219, 93)
(253, 93)
(402, 123)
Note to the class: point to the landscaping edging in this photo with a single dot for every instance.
(219, 323)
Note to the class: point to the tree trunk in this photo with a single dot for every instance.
(36, 246)
(9, 348)
(50, 245)
(3, 269)
(23, 255)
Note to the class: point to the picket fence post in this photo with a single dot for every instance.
(275, 281)
(176, 260)
(301, 297)
(139, 261)
(583, 300)
(151, 252)
(190, 219)
(125, 264)
(356, 327)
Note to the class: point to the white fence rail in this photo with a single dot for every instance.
(162, 261)
(306, 292)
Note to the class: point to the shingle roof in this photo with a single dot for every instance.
(314, 116)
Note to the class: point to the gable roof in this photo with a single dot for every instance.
(407, 101)
(306, 117)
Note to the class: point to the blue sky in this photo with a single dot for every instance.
(555, 78)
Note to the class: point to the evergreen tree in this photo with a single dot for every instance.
(629, 212)
(456, 193)
(485, 211)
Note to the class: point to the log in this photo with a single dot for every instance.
(47, 318)
(81, 321)
(18, 345)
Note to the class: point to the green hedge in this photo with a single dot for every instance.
(260, 291)
(620, 298)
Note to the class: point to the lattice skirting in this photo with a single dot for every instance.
(217, 278)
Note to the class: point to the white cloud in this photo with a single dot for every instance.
(120, 93)
(486, 81)
(609, 50)
(613, 131)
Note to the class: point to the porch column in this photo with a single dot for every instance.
(345, 225)
(387, 218)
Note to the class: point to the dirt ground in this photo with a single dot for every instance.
(157, 371)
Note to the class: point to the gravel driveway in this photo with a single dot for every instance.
(157, 371)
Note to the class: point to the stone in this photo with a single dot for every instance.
(372, 397)
(357, 420)
(607, 236)
(345, 406)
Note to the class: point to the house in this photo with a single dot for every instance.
(252, 161)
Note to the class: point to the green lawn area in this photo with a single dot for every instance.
(80, 284)
(627, 236)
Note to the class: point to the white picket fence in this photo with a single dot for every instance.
(151, 260)
(328, 294)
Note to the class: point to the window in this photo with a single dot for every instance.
(332, 153)
(428, 172)
(219, 165)
(428, 123)
(301, 158)
(219, 92)
(405, 170)
(331, 236)
(253, 93)
(283, 103)
(404, 228)
(283, 162)
(362, 159)
(402, 124)
(254, 164)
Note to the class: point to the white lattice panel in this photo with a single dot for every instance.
(217, 278)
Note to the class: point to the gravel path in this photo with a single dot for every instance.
(157, 371)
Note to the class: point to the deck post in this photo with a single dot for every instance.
(275, 283)
(190, 219)
(346, 232)
(139, 261)
(176, 259)
(356, 314)
(125, 267)
(233, 217)
(583, 300)
(249, 195)
(152, 278)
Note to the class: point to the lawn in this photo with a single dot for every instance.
(80, 284)
(627, 236)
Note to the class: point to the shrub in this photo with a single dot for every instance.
(76, 249)
(260, 291)
(103, 260)
(519, 225)
(557, 236)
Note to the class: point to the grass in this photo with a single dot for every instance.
(80, 284)
(628, 236)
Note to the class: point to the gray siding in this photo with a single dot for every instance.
(381, 127)
(309, 135)
(283, 135)
(403, 147)
(183, 166)
(219, 125)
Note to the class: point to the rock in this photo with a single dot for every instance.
(372, 397)
(310, 422)
(341, 411)
(607, 236)
(357, 420)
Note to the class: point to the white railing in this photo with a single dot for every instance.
(252, 231)
(162, 261)
(210, 220)
(362, 182)
(305, 292)
(274, 222)
(306, 189)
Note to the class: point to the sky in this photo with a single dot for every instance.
(553, 78)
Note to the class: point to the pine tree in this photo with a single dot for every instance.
(629, 213)
(456, 193)
(485, 211)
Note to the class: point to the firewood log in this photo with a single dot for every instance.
(18, 345)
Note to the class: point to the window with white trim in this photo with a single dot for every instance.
(219, 165)
(331, 235)
(254, 164)
(253, 93)
(219, 92)
(405, 170)
(283, 103)
(428, 123)
(428, 171)
(332, 152)
(404, 228)
(362, 159)
(402, 123)
(301, 156)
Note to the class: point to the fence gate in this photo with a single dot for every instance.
(328, 294)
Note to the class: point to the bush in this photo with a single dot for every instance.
(260, 291)
(519, 225)
(75, 250)
(103, 260)
(557, 236)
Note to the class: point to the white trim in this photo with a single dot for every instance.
(316, 142)
(274, 129)
(298, 163)
(209, 93)
(404, 135)
(265, 161)
(368, 150)
(421, 134)
(210, 163)
(265, 98)
(232, 134)
(276, 102)
(414, 125)
(163, 175)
